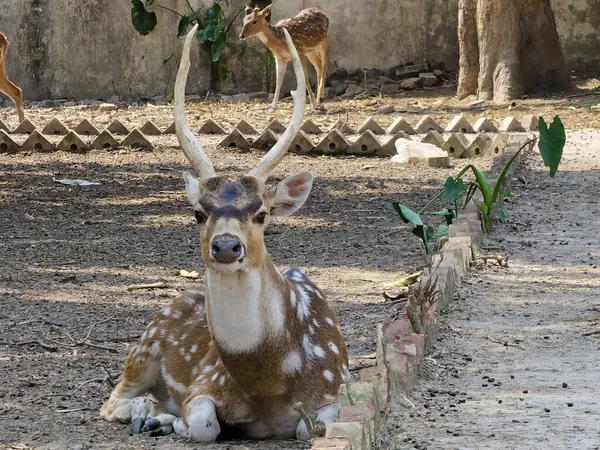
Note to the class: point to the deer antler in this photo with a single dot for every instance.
(276, 154)
(193, 149)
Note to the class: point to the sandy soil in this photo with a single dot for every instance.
(516, 367)
(70, 252)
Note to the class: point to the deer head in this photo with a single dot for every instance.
(232, 215)
(254, 21)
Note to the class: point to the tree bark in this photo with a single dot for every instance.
(509, 48)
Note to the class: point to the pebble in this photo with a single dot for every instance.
(547, 409)
(570, 405)
(500, 401)
(565, 385)
(525, 391)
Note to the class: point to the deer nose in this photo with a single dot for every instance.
(226, 249)
(241, 36)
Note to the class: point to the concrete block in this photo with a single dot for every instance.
(389, 148)
(429, 79)
(302, 144)
(309, 127)
(265, 141)
(477, 147)
(427, 124)
(434, 138)
(117, 127)
(356, 432)
(378, 377)
(3, 126)
(276, 126)
(170, 129)
(371, 125)
(235, 139)
(105, 140)
(211, 127)
(136, 139)
(72, 143)
(530, 122)
(410, 71)
(459, 125)
(85, 128)
(496, 146)
(511, 124)
(359, 394)
(333, 143)
(404, 355)
(25, 127)
(366, 144)
(55, 127)
(149, 128)
(390, 88)
(456, 145)
(484, 125)
(245, 128)
(439, 161)
(7, 145)
(36, 141)
(331, 443)
(411, 84)
(342, 126)
(401, 124)
(362, 413)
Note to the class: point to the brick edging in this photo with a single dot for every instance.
(400, 349)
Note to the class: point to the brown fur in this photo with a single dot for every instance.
(6, 86)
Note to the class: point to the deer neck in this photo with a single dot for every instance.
(245, 308)
(271, 37)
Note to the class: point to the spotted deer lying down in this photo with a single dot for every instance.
(240, 354)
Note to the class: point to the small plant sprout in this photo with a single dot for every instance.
(551, 143)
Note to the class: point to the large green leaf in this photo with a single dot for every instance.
(552, 142)
(143, 21)
(449, 215)
(441, 232)
(407, 214)
(219, 44)
(213, 15)
(453, 188)
(204, 35)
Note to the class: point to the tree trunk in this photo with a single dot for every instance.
(509, 48)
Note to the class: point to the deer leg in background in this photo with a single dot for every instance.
(322, 52)
(14, 93)
(281, 68)
(308, 88)
(315, 60)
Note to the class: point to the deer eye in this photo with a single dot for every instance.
(200, 217)
(260, 217)
(254, 23)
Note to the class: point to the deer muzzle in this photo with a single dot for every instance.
(226, 249)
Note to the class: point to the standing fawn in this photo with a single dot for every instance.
(309, 33)
(240, 354)
(6, 86)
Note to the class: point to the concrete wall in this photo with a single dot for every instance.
(79, 49)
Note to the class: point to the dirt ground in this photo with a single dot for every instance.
(517, 364)
(70, 252)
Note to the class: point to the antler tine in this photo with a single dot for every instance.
(193, 149)
(279, 150)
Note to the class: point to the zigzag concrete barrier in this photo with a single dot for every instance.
(459, 138)
(365, 404)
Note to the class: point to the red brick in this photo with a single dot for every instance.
(356, 413)
(331, 443)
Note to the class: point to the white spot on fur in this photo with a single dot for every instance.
(319, 352)
(208, 368)
(308, 347)
(328, 374)
(167, 311)
(187, 357)
(171, 382)
(334, 348)
(155, 348)
(222, 381)
(293, 299)
(215, 376)
(181, 351)
(329, 321)
(163, 332)
(311, 330)
(152, 332)
(303, 303)
(316, 323)
(292, 363)
(194, 371)
(330, 398)
(190, 301)
(193, 348)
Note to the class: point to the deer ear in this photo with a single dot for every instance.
(290, 194)
(248, 10)
(192, 188)
(265, 12)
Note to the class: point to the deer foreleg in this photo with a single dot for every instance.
(325, 414)
(14, 93)
(281, 66)
(200, 421)
(308, 88)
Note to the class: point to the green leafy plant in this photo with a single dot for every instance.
(551, 143)
(213, 30)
